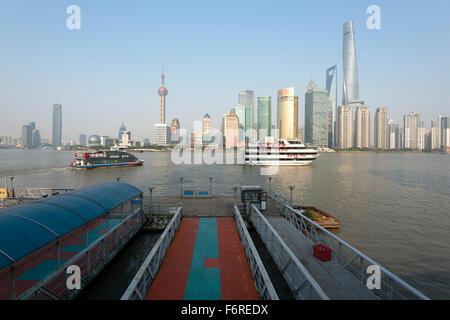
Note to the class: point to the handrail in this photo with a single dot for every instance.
(298, 278)
(262, 280)
(143, 279)
(310, 228)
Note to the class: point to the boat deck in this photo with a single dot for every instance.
(334, 280)
(205, 261)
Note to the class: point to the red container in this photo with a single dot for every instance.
(322, 252)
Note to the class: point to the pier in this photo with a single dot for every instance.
(205, 251)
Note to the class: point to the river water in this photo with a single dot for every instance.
(394, 207)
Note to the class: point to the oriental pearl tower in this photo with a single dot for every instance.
(162, 98)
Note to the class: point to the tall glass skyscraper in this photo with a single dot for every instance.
(351, 82)
(246, 98)
(316, 115)
(57, 125)
(244, 113)
(264, 117)
(331, 81)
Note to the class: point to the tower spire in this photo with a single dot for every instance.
(162, 73)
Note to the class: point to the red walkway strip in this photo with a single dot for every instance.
(235, 277)
(170, 283)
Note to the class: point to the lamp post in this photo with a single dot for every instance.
(235, 198)
(181, 187)
(151, 191)
(270, 186)
(291, 188)
(210, 187)
(12, 187)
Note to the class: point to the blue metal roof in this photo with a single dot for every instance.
(29, 227)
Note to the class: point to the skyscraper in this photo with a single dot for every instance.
(393, 135)
(82, 139)
(445, 132)
(345, 127)
(331, 82)
(351, 82)
(362, 127)
(264, 117)
(27, 136)
(162, 98)
(246, 98)
(245, 124)
(230, 130)
(316, 115)
(57, 125)
(121, 129)
(421, 136)
(287, 114)
(35, 138)
(411, 125)
(381, 130)
(175, 131)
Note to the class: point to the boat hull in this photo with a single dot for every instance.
(109, 165)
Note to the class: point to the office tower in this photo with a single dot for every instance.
(206, 129)
(436, 134)
(362, 127)
(287, 114)
(392, 137)
(246, 98)
(175, 131)
(57, 125)
(411, 124)
(162, 134)
(421, 136)
(27, 136)
(121, 129)
(401, 138)
(381, 130)
(301, 134)
(445, 131)
(345, 127)
(82, 139)
(351, 82)
(245, 124)
(316, 115)
(162, 97)
(331, 82)
(264, 118)
(36, 138)
(32, 126)
(230, 130)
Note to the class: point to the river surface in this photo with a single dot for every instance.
(394, 207)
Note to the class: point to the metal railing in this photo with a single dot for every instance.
(263, 284)
(138, 288)
(34, 193)
(90, 261)
(349, 258)
(299, 280)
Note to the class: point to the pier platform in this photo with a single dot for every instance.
(205, 261)
(334, 280)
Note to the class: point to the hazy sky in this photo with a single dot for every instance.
(109, 71)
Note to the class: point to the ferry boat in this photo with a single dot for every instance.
(105, 158)
(284, 153)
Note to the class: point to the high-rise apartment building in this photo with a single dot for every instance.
(421, 136)
(161, 134)
(350, 66)
(331, 84)
(393, 135)
(362, 127)
(345, 127)
(381, 128)
(316, 115)
(445, 132)
(264, 123)
(35, 138)
(57, 125)
(287, 114)
(411, 125)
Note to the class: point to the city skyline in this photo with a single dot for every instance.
(111, 93)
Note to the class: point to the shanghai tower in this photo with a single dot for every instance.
(351, 83)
